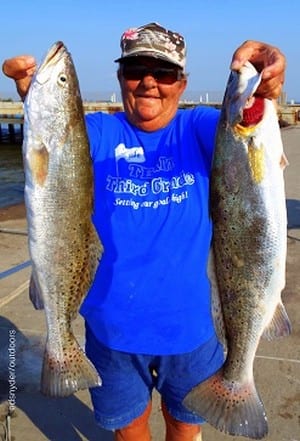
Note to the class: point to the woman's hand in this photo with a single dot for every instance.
(266, 59)
(20, 69)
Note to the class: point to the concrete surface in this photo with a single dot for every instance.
(37, 418)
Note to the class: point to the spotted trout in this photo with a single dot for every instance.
(63, 244)
(248, 210)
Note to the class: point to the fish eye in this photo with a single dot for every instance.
(62, 79)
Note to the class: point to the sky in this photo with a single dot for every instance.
(91, 30)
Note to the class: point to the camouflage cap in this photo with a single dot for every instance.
(152, 40)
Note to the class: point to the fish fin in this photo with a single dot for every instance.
(256, 161)
(39, 163)
(283, 161)
(229, 406)
(95, 251)
(279, 326)
(35, 294)
(67, 371)
(93, 254)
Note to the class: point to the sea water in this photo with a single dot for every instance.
(11, 174)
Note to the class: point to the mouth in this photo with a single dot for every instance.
(148, 97)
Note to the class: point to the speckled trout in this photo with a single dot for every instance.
(249, 253)
(64, 246)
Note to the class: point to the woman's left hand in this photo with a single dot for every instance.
(266, 59)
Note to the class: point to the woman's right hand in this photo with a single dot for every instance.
(20, 69)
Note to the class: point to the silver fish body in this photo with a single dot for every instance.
(249, 253)
(64, 246)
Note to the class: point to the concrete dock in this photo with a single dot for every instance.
(12, 113)
(26, 415)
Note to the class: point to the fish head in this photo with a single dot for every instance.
(53, 99)
(241, 87)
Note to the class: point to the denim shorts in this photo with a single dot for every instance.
(129, 379)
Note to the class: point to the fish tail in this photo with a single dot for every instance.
(229, 406)
(68, 372)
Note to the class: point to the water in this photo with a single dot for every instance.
(11, 175)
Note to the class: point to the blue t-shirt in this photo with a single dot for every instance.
(151, 293)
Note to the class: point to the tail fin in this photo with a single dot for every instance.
(231, 407)
(67, 372)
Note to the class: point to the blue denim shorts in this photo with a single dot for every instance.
(128, 380)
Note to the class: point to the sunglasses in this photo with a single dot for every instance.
(164, 75)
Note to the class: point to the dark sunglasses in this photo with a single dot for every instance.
(165, 75)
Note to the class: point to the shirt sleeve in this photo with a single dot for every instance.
(205, 122)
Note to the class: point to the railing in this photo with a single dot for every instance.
(12, 114)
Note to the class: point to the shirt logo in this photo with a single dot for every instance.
(132, 154)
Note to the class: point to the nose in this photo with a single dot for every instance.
(148, 81)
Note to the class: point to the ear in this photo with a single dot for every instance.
(119, 76)
(183, 84)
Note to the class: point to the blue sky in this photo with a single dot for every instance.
(91, 30)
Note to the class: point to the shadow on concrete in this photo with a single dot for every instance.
(293, 213)
(57, 418)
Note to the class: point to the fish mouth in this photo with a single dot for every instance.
(54, 54)
(240, 94)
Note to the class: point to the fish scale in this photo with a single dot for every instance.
(64, 246)
(247, 266)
